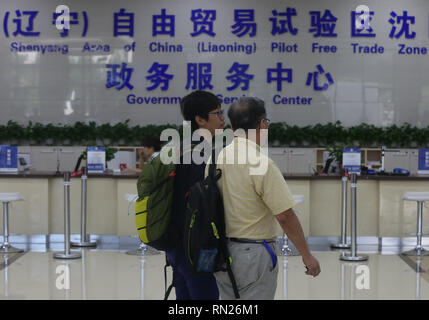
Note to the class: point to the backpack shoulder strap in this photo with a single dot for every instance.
(227, 259)
(212, 167)
(233, 282)
(170, 287)
(214, 172)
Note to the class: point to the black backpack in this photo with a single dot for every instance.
(205, 242)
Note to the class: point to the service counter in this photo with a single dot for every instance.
(380, 208)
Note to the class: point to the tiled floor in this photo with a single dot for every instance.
(113, 274)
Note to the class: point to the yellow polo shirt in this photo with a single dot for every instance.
(251, 197)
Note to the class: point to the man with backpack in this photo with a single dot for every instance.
(255, 202)
(203, 110)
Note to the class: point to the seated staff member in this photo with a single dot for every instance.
(150, 149)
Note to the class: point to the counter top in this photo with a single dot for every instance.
(128, 175)
(53, 174)
(367, 177)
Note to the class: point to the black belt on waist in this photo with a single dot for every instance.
(243, 240)
(263, 242)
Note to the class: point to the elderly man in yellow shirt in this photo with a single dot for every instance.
(255, 202)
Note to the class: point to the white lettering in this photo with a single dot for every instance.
(363, 280)
(63, 280)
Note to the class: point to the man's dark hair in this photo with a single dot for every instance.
(198, 103)
(246, 112)
(150, 142)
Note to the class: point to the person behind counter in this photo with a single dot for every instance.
(149, 150)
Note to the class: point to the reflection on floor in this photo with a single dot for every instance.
(113, 274)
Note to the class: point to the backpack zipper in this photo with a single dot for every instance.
(192, 220)
(216, 234)
(189, 236)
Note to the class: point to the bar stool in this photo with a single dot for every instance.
(143, 249)
(6, 198)
(420, 197)
(286, 250)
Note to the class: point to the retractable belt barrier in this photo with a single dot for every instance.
(84, 238)
(353, 255)
(343, 244)
(67, 254)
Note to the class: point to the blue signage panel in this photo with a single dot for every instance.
(8, 158)
(96, 159)
(423, 161)
(352, 160)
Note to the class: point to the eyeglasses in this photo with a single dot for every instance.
(268, 121)
(219, 113)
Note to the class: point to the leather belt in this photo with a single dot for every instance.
(244, 240)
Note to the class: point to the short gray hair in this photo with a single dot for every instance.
(246, 112)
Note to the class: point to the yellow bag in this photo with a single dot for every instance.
(141, 219)
(155, 203)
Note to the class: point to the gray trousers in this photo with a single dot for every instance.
(253, 271)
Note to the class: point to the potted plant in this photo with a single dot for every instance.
(337, 153)
(15, 132)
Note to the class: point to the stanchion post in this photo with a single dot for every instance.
(143, 250)
(353, 187)
(67, 254)
(286, 250)
(353, 256)
(84, 296)
(142, 282)
(352, 281)
(84, 238)
(343, 280)
(418, 270)
(285, 291)
(343, 244)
